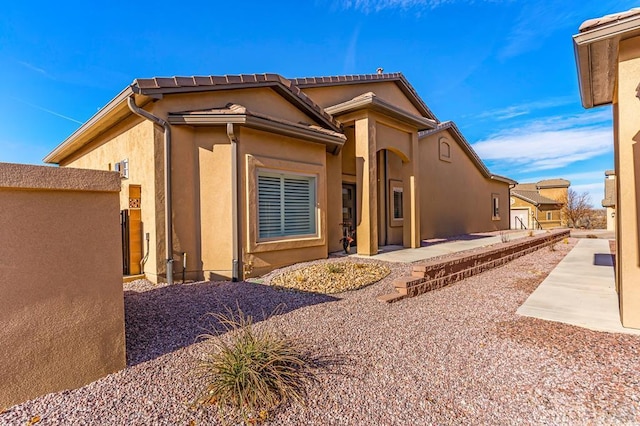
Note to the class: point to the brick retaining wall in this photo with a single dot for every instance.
(440, 273)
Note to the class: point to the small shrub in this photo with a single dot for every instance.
(359, 265)
(504, 237)
(530, 233)
(565, 240)
(334, 269)
(252, 371)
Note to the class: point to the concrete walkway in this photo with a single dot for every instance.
(580, 291)
(401, 254)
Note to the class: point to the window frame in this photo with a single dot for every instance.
(250, 189)
(495, 206)
(313, 204)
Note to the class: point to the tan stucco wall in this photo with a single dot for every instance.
(332, 95)
(136, 140)
(558, 194)
(256, 150)
(456, 197)
(627, 159)
(62, 306)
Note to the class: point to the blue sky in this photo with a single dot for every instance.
(504, 71)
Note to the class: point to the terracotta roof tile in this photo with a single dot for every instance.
(186, 84)
(608, 19)
(533, 197)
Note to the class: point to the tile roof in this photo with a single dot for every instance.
(149, 86)
(609, 193)
(526, 187)
(533, 197)
(608, 19)
(553, 183)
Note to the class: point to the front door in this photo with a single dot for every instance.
(349, 206)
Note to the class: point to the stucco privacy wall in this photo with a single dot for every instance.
(61, 309)
(456, 197)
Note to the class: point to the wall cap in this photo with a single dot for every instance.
(30, 177)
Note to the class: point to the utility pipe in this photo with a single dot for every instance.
(168, 222)
(235, 265)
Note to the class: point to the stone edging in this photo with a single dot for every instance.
(440, 273)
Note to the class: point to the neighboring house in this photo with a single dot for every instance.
(539, 205)
(248, 173)
(607, 52)
(609, 200)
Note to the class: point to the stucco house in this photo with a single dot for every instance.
(609, 200)
(607, 53)
(539, 205)
(233, 176)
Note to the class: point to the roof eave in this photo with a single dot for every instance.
(583, 44)
(333, 141)
(376, 104)
(504, 179)
(74, 141)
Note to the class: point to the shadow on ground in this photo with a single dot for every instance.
(166, 319)
(603, 259)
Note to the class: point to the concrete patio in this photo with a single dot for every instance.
(440, 248)
(580, 291)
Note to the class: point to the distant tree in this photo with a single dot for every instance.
(576, 207)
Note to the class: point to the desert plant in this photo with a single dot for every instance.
(504, 237)
(251, 371)
(334, 269)
(530, 233)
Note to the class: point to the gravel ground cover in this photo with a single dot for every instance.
(458, 355)
(331, 277)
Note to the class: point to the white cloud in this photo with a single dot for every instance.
(524, 108)
(550, 143)
(378, 5)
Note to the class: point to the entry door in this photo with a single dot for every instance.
(349, 204)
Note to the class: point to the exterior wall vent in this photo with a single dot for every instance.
(123, 168)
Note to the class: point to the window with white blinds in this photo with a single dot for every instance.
(286, 205)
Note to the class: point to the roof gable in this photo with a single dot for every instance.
(468, 150)
(344, 80)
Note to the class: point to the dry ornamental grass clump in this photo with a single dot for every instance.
(252, 371)
(333, 277)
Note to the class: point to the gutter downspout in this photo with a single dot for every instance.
(168, 221)
(235, 266)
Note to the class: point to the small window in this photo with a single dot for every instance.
(495, 206)
(397, 203)
(286, 205)
(444, 150)
(549, 215)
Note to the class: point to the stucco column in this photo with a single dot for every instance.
(411, 201)
(367, 199)
(628, 196)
